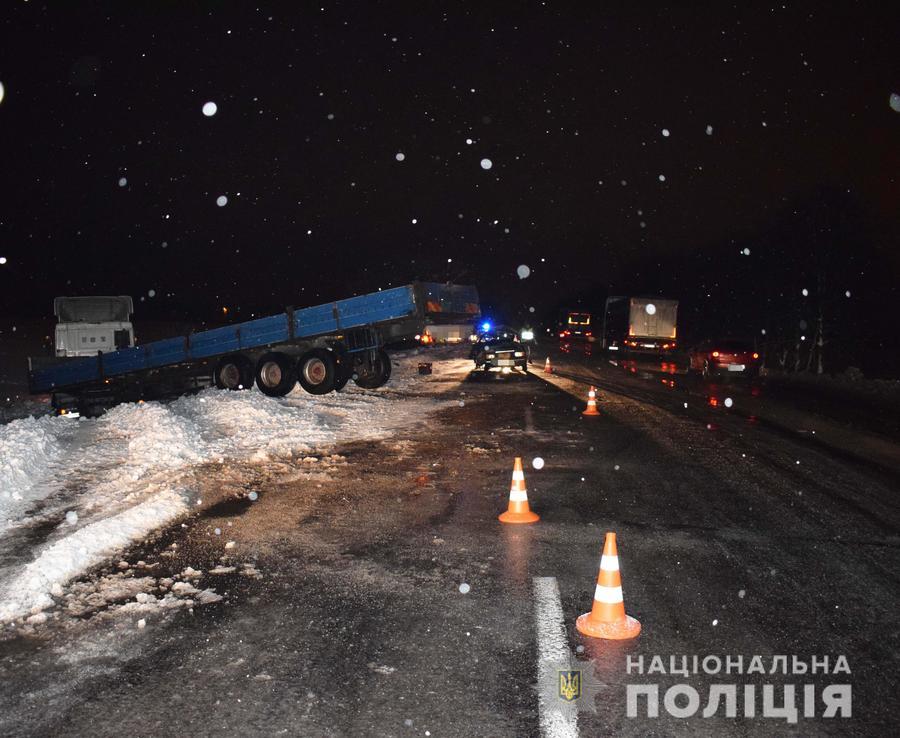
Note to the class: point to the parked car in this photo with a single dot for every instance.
(724, 357)
(499, 346)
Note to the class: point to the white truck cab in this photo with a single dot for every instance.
(88, 325)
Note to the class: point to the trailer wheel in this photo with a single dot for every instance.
(234, 373)
(275, 374)
(374, 374)
(317, 371)
(344, 370)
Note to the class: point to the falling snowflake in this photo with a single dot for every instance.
(847, 293)
(746, 252)
(71, 517)
(893, 101)
(464, 588)
(650, 308)
(469, 142)
(2, 259)
(122, 181)
(728, 402)
(709, 130)
(665, 132)
(523, 271)
(209, 109)
(221, 201)
(151, 293)
(531, 310)
(537, 462)
(662, 177)
(400, 156)
(805, 292)
(330, 116)
(415, 220)
(253, 496)
(486, 164)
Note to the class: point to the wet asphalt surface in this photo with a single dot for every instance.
(356, 624)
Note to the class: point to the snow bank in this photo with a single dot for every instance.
(117, 478)
(27, 447)
(87, 547)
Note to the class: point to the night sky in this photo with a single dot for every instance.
(633, 148)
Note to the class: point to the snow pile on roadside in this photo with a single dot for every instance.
(30, 590)
(26, 449)
(129, 472)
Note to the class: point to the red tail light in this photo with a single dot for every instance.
(715, 354)
(755, 355)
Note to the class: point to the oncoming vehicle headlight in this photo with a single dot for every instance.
(527, 335)
(519, 354)
(490, 356)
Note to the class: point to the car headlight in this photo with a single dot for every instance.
(490, 356)
(520, 353)
(527, 335)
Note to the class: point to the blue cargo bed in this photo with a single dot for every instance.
(320, 320)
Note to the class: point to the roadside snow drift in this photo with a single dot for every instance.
(111, 481)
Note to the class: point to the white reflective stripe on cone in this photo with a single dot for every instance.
(609, 563)
(608, 595)
(518, 495)
(518, 476)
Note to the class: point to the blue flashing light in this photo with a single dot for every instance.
(486, 326)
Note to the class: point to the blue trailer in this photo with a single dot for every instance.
(321, 348)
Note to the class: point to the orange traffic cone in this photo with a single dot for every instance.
(607, 618)
(547, 368)
(518, 510)
(592, 403)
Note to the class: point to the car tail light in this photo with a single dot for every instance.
(755, 355)
(715, 354)
(588, 333)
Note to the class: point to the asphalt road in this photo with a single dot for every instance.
(736, 538)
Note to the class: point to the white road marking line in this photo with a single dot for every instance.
(553, 649)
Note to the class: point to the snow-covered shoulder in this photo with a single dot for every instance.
(99, 485)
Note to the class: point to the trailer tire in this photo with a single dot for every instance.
(275, 374)
(344, 370)
(377, 374)
(234, 373)
(317, 371)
